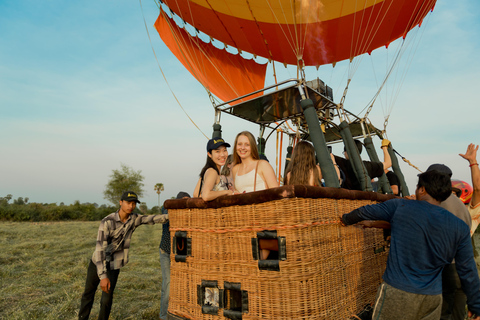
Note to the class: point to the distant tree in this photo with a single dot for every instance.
(155, 210)
(19, 201)
(26, 200)
(158, 188)
(125, 179)
(143, 208)
(6, 199)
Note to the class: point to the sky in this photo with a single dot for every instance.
(81, 93)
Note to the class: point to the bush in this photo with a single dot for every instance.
(20, 210)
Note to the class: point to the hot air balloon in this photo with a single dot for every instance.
(463, 190)
(320, 271)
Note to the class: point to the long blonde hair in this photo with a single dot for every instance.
(253, 147)
(302, 164)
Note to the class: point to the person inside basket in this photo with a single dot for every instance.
(374, 169)
(226, 173)
(303, 168)
(250, 173)
(425, 238)
(210, 185)
(111, 253)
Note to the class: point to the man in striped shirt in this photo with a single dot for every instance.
(111, 253)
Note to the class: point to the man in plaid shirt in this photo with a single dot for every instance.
(111, 253)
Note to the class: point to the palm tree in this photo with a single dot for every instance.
(159, 188)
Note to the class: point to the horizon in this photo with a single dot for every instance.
(82, 94)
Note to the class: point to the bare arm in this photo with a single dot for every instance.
(267, 173)
(394, 189)
(234, 174)
(337, 169)
(209, 181)
(471, 156)
(197, 189)
(387, 161)
(312, 181)
(287, 179)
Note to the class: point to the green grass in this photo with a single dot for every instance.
(43, 268)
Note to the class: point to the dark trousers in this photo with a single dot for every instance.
(88, 295)
(454, 299)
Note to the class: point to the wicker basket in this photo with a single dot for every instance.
(322, 270)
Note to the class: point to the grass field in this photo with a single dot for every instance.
(43, 268)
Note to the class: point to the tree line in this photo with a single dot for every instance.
(125, 179)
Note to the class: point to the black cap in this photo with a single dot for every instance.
(216, 143)
(440, 168)
(129, 196)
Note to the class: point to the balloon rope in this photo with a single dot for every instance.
(280, 156)
(276, 152)
(163, 74)
(290, 36)
(406, 160)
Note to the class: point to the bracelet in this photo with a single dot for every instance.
(473, 164)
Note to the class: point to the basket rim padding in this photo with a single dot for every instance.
(284, 192)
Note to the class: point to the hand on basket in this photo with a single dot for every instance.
(374, 224)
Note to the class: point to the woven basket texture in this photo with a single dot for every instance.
(330, 271)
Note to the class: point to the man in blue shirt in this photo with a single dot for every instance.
(425, 238)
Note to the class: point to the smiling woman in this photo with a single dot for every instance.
(250, 173)
(210, 185)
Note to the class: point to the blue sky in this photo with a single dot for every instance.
(81, 93)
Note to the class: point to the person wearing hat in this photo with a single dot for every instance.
(453, 203)
(454, 299)
(165, 249)
(210, 186)
(111, 253)
(425, 238)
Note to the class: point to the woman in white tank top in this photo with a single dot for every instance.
(249, 172)
(252, 174)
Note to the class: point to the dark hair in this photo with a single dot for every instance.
(302, 164)
(436, 184)
(209, 164)
(359, 145)
(182, 194)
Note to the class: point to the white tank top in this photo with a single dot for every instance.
(244, 183)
